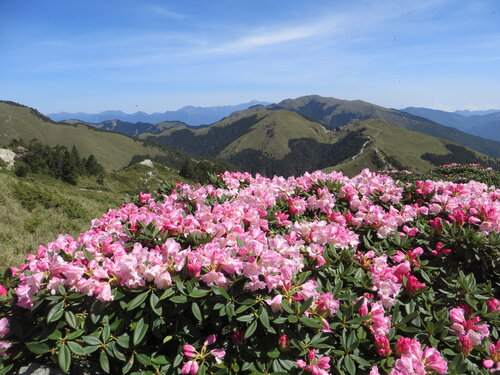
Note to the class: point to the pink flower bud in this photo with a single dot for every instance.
(465, 345)
(383, 346)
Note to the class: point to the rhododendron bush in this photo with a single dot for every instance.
(316, 274)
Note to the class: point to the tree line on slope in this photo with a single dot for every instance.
(57, 161)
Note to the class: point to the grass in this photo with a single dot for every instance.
(393, 147)
(114, 151)
(35, 209)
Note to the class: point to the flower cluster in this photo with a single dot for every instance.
(324, 268)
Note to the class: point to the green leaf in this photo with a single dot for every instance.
(129, 365)
(221, 291)
(240, 242)
(275, 353)
(38, 347)
(90, 349)
(106, 331)
(251, 329)
(88, 254)
(143, 359)
(351, 366)
(160, 360)
(199, 293)
(137, 301)
(245, 318)
(73, 335)
(91, 340)
(64, 358)
(154, 302)
(286, 306)
(104, 361)
(123, 341)
(196, 311)
(202, 370)
(76, 348)
(229, 309)
(310, 322)
(359, 319)
(56, 312)
(117, 353)
(179, 299)
(140, 331)
(71, 319)
(264, 318)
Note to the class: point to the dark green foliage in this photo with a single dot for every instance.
(200, 171)
(56, 161)
(460, 155)
(211, 143)
(305, 155)
(21, 170)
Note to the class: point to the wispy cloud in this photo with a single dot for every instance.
(164, 12)
(263, 39)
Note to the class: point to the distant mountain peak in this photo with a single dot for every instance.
(191, 115)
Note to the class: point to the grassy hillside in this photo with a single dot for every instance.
(35, 209)
(114, 151)
(392, 147)
(333, 113)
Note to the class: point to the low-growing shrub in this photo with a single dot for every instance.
(316, 274)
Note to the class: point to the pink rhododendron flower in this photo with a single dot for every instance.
(493, 305)
(383, 346)
(275, 303)
(492, 363)
(316, 366)
(405, 345)
(421, 362)
(440, 251)
(470, 327)
(3, 290)
(413, 285)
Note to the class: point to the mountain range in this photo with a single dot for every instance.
(287, 138)
(482, 123)
(190, 115)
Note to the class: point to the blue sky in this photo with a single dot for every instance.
(60, 55)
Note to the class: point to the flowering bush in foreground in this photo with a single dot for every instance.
(316, 274)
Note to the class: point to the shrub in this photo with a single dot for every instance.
(316, 274)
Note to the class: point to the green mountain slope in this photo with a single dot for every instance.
(390, 147)
(333, 113)
(283, 142)
(114, 151)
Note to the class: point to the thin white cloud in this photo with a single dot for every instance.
(164, 12)
(249, 42)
